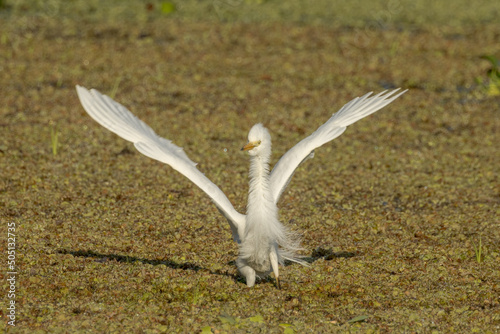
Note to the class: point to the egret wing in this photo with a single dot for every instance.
(351, 112)
(118, 119)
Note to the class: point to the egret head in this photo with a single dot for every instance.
(259, 141)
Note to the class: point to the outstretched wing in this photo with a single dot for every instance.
(351, 112)
(116, 118)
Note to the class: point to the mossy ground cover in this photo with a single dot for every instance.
(393, 213)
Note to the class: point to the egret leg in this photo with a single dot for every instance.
(246, 271)
(250, 278)
(274, 264)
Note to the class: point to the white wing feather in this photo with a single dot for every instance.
(351, 112)
(118, 119)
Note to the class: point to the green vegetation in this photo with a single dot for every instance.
(362, 14)
(478, 250)
(111, 241)
(54, 138)
(492, 85)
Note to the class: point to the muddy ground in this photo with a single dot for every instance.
(398, 216)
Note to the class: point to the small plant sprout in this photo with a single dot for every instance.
(492, 85)
(54, 138)
(478, 250)
(115, 87)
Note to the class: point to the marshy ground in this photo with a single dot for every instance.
(399, 216)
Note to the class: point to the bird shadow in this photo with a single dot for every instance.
(327, 254)
(318, 253)
(103, 258)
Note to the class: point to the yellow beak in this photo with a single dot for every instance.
(250, 146)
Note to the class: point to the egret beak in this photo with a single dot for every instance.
(250, 145)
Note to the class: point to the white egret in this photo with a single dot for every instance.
(263, 241)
